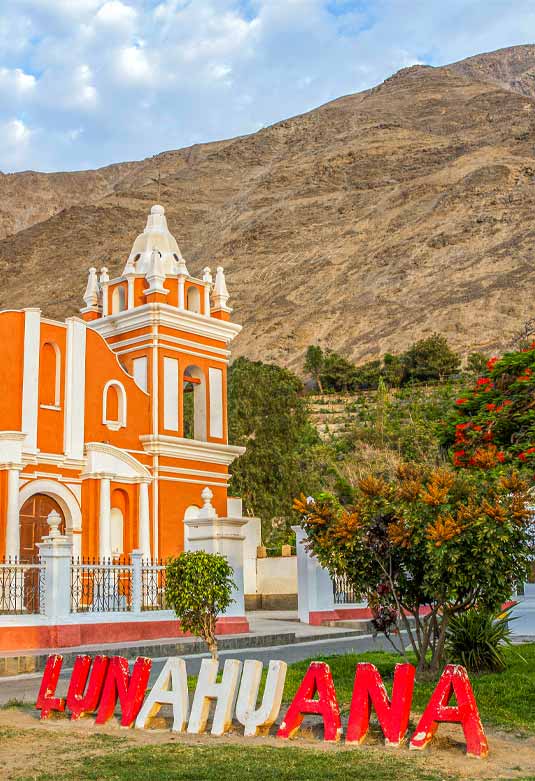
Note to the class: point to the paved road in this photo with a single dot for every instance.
(25, 687)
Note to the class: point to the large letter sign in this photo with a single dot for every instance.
(318, 679)
(78, 702)
(369, 690)
(454, 680)
(95, 686)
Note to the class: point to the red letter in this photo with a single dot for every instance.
(130, 691)
(369, 689)
(46, 701)
(317, 678)
(454, 680)
(77, 702)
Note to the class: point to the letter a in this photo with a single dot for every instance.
(369, 690)
(129, 690)
(454, 680)
(171, 688)
(318, 679)
(46, 702)
(79, 702)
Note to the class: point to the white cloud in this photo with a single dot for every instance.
(196, 70)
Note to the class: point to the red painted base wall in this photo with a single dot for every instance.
(31, 638)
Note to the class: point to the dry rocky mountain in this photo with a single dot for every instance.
(365, 224)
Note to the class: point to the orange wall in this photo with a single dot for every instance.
(101, 366)
(11, 370)
(50, 422)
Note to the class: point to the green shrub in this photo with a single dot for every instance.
(477, 640)
(198, 587)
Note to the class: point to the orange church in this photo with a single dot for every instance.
(117, 418)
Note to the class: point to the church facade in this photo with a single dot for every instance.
(117, 418)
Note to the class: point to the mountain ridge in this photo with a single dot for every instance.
(370, 221)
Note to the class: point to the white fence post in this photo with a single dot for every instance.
(137, 581)
(315, 597)
(56, 554)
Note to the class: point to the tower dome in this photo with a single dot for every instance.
(156, 236)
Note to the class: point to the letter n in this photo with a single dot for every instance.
(369, 690)
(129, 690)
(318, 679)
(454, 680)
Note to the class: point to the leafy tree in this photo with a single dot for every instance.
(314, 363)
(430, 359)
(476, 363)
(367, 376)
(427, 546)
(493, 420)
(269, 415)
(338, 373)
(198, 587)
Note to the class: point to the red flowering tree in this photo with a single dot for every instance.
(494, 420)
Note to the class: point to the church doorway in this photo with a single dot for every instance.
(33, 524)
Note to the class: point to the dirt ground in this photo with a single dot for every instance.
(29, 746)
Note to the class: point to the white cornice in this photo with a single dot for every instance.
(168, 316)
(191, 449)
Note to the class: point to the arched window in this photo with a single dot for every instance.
(118, 299)
(50, 375)
(114, 405)
(194, 404)
(194, 299)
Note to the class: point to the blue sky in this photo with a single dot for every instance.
(84, 83)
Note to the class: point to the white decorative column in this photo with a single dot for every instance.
(12, 519)
(181, 286)
(30, 377)
(207, 279)
(225, 536)
(144, 520)
(104, 528)
(104, 280)
(56, 552)
(315, 598)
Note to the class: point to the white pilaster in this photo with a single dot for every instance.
(30, 377)
(314, 584)
(181, 285)
(224, 536)
(75, 388)
(12, 520)
(104, 528)
(144, 520)
(130, 294)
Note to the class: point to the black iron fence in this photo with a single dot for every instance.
(100, 585)
(22, 589)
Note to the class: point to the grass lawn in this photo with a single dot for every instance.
(56, 750)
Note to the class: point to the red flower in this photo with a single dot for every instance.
(491, 363)
(500, 456)
(461, 401)
(490, 406)
(487, 436)
(483, 381)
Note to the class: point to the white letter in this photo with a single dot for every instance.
(268, 711)
(171, 688)
(207, 689)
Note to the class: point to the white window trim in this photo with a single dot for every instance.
(114, 425)
(57, 379)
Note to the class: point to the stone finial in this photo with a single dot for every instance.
(155, 276)
(221, 294)
(91, 291)
(207, 510)
(54, 521)
(104, 276)
(207, 275)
